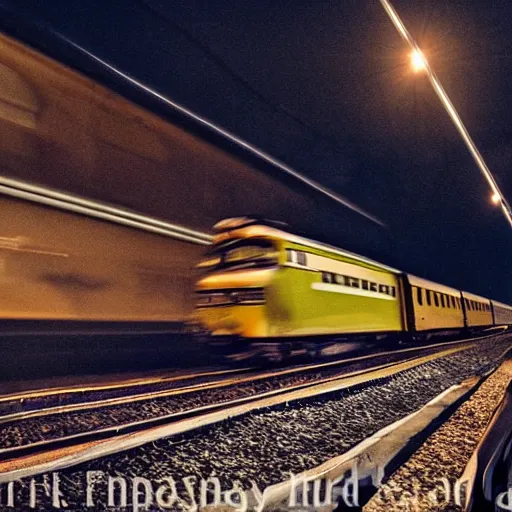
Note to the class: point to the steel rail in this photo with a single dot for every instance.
(141, 381)
(151, 430)
(192, 388)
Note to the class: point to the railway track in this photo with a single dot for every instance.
(200, 405)
(54, 426)
(18, 405)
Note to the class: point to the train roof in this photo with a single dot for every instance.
(501, 305)
(274, 229)
(431, 285)
(473, 296)
(249, 220)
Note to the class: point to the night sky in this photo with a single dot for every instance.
(327, 87)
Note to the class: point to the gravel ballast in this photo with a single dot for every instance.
(418, 484)
(55, 426)
(264, 447)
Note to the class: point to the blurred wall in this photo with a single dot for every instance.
(63, 130)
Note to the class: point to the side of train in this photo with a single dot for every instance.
(262, 283)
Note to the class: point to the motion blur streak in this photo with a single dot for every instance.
(248, 147)
(56, 265)
(450, 109)
(43, 195)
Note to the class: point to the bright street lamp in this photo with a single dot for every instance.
(418, 58)
(418, 61)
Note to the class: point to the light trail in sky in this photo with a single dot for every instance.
(497, 196)
(250, 148)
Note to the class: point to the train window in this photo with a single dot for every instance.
(429, 297)
(392, 291)
(419, 296)
(326, 277)
(290, 255)
(301, 258)
(364, 284)
(443, 304)
(339, 279)
(383, 288)
(373, 287)
(454, 305)
(436, 299)
(354, 282)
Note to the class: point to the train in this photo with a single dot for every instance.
(261, 283)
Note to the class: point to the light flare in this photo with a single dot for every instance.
(448, 106)
(418, 61)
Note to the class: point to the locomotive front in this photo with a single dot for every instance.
(231, 294)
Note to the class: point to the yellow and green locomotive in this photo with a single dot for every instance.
(264, 283)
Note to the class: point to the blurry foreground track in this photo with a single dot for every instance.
(230, 400)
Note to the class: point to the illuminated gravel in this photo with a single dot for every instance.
(265, 446)
(443, 456)
(56, 426)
